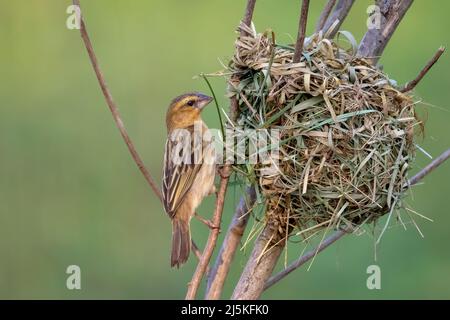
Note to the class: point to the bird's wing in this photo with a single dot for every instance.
(178, 176)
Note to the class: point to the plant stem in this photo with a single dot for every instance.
(232, 240)
(412, 84)
(113, 107)
(301, 32)
(212, 239)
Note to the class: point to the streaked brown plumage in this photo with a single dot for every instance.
(188, 177)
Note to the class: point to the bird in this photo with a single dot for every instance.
(189, 168)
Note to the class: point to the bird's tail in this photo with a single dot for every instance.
(181, 242)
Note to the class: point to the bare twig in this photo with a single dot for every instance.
(248, 16)
(217, 217)
(375, 40)
(412, 84)
(230, 244)
(325, 14)
(339, 234)
(239, 222)
(247, 20)
(198, 253)
(212, 239)
(196, 250)
(114, 110)
(338, 16)
(305, 258)
(429, 168)
(301, 31)
(259, 267)
(113, 107)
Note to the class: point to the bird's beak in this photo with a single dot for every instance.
(203, 101)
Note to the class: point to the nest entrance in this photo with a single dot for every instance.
(346, 132)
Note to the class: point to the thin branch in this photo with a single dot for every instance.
(429, 168)
(337, 17)
(217, 218)
(305, 258)
(231, 242)
(228, 246)
(212, 239)
(198, 253)
(325, 14)
(301, 31)
(248, 15)
(112, 105)
(412, 84)
(259, 267)
(114, 109)
(376, 39)
(196, 250)
(339, 234)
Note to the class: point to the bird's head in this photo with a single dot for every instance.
(185, 110)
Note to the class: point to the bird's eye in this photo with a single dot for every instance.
(190, 103)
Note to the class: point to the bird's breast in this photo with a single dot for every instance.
(204, 180)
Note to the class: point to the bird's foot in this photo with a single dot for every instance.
(207, 222)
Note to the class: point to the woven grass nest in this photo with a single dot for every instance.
(346, 132)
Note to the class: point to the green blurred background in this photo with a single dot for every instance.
(71, 194)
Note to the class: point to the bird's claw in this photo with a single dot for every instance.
(207, 222)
